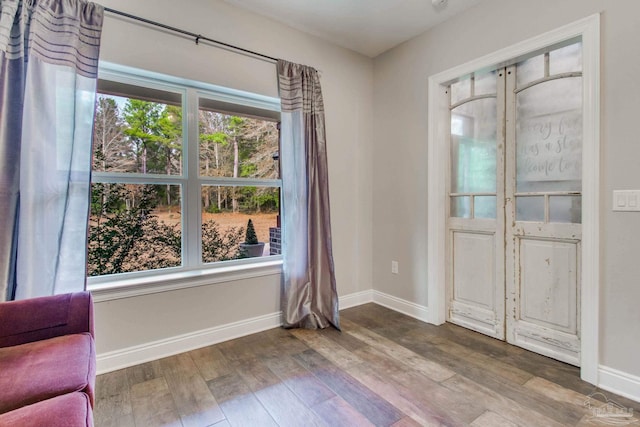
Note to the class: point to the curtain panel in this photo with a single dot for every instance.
(48, 74)
(309, 298)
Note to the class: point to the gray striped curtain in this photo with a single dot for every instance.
(309, 297)
(48, 69)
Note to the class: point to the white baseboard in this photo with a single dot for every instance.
(394, 303)
(355, 299)
(619, 382)
(154, 350)
(400, 305)
(130, 356)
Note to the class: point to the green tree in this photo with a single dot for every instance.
(213, 141)
(233, 146)
(250, 237)
(235, 127)
(260, 142)
(144, 132)
(169, 142)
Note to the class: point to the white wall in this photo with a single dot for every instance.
(347, 80)
(400, 149)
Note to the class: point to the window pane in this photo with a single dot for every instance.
(530, 70)
(461, 90)
(530, 208)
(134, 228)
(460, 207)
(135, 135)
(473, 147)
(484, 207)
(565, 60)
(485, 84)
(225, 215)
(565, 209)
(238, 147)
(549, 136)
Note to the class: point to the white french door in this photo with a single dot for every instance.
(476, 199)
(514, 215)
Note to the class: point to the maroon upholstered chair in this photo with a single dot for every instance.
(47, 351)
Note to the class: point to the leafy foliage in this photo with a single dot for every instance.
(125, 236)
(220, 246)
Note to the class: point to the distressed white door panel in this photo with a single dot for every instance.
(476, 302)
(474, 283)
(473, 225)
(549, 342)
(548, 284)
(547, 231)
(543, 293)
(474, 269)
(475, 318)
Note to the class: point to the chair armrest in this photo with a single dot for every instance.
(42, 318)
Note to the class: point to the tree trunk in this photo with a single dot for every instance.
(207, 201)
(234, 201)
(216, 155)
(105, 193)
(236, 162)
(144, 159)
(169, 173)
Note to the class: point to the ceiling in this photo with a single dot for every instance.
(366, 26)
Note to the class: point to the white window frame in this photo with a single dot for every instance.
(588, 30)
(192, 272)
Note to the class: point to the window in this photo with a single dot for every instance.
(179, 169)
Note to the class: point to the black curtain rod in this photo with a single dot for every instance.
(196, 37)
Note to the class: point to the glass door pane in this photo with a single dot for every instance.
(549, 136)
(473, 147)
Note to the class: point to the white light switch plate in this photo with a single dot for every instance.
(626, 200)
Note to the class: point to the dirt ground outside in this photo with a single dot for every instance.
(261, 221)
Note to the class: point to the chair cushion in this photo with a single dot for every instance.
(40, 370)
(69, 410)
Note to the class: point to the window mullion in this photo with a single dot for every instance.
(240, 182)
(130, 178)
(191, 218)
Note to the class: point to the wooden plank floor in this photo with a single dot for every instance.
(384, 369)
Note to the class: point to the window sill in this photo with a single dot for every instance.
(131, 287)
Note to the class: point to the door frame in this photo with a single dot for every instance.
(588, 29)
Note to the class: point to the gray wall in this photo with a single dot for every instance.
(400, 148)
(377, 121)
(347, 82)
